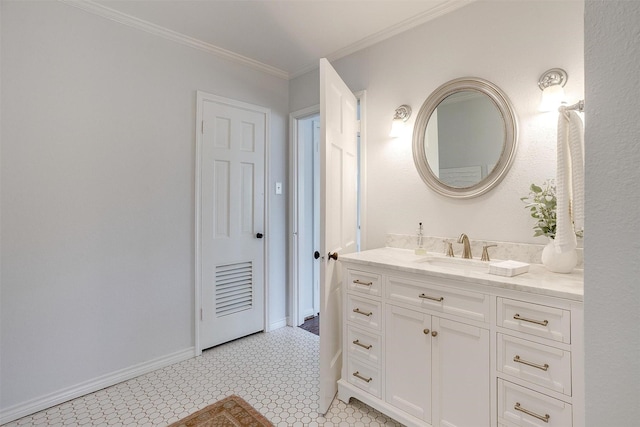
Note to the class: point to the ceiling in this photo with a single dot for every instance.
(283, 37)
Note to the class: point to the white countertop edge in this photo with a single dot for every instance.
(537, 281)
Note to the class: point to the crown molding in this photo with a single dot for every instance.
(407, 24)
(148, 27)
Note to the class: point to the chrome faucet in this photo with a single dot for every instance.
(466, 248)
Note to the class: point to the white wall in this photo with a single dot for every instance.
(508, 43)
(612, 243)
(97, 173)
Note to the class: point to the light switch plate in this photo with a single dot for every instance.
(278, 188)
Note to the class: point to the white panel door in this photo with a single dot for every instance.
(232, 220)
(338, 217)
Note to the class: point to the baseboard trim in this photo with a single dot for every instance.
(57, 397)
(277, 325)
(309, 314)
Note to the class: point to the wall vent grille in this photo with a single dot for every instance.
(234, 288)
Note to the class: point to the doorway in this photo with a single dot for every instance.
(304, 205)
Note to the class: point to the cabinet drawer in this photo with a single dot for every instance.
(471, 305)
(363, 282)
(363, 345)
(363, 312)
(520, 406)
(540, 364)
(535, 319)
(364, 376)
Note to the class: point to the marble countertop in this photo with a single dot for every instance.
(537, 280)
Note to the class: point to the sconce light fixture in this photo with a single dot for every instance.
(401, 115)
(551, 84)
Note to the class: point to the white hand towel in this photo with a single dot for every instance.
(576, 148)
(569, 181)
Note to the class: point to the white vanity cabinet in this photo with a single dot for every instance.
(437, 369)
(432, 349)
(426, 354)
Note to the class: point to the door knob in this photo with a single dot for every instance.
(434, 334)
(316, 255)
(259, 235)
(333, 256)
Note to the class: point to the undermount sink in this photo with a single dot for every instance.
(458, 264)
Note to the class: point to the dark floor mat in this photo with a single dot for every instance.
(312, 325)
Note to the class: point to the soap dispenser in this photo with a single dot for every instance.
(420, 250)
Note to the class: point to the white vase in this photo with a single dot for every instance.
(559, 262)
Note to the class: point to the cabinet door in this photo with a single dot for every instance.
(408, 361)
(461, 380)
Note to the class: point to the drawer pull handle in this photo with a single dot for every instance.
(360, 282)
(365, 346)
(524, 319)
(524, 362)
(439, 299)
(544, 417)
(357, 375)
(364, 313)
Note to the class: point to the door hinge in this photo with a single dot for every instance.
(202, 127)
(200, 314)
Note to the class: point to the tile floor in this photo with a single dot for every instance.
(277, 373)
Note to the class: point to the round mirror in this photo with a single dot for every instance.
(465, 138)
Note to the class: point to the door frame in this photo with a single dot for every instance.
(294, 273)
(201, 97)
(361, 96)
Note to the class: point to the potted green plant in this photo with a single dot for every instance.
(542, 204)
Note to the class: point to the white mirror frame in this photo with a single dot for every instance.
(510, 137)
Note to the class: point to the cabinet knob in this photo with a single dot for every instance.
(434, 333)
(426, 332)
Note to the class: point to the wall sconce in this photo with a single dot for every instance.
(551, 84)
(401, 115)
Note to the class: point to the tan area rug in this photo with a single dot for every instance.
(231, 411)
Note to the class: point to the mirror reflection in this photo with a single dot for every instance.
(464, 138)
